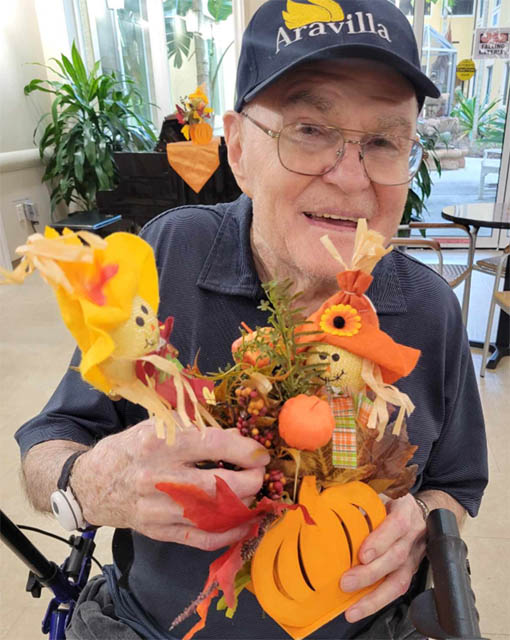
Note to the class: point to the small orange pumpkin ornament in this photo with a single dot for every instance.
(297, 567)
(201, 133)
(252, 354)
(306, 422)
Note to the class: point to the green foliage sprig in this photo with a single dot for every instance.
(282, 360)
(282, 349)
(92, 116)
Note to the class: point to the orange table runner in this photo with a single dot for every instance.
(195, 163)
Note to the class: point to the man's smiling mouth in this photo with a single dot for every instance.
(331, 218)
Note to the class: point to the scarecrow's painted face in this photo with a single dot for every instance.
(343, 369)
(139, 334)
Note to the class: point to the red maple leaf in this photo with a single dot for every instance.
(221, 513)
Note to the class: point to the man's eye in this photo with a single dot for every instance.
(309, 130)
(380, 143)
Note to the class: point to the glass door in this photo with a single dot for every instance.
(466, 52)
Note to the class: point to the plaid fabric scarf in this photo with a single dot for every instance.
(347, 411)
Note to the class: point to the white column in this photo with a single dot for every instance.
(160, 69)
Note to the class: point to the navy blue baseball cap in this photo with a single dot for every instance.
(283, 34)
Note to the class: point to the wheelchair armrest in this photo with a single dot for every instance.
(447, 611)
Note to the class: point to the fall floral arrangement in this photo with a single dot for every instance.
(192, 113)
(317, 392)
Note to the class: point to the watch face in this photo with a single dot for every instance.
(67, 510)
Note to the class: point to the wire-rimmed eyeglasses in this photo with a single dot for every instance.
(312, 149)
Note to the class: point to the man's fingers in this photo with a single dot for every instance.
(243, 483)
(394, 586)
(365, 575)
(395, 526)
(221, 444)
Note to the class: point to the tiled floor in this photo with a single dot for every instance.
(34, 352)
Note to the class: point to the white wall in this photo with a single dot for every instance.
(20, 169)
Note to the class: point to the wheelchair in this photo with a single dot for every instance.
(446, 611)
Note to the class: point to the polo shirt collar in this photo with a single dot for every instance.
(229, 267)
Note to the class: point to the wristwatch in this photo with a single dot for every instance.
(64, 504)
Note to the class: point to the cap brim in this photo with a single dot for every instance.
(421, 83)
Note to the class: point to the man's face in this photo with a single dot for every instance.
(291, 211)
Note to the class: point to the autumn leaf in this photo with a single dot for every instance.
(389, 456)
(222, 512)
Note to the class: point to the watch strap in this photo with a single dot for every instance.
(65, 474)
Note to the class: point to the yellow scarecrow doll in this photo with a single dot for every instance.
(107, 291)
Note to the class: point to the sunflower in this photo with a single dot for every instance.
(340, 320)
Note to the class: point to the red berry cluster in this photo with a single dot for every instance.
(252, 406)
(274, 482)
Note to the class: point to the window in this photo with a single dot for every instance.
(200, 39)
(407, 6)
(488, 82)
(118, 33)
(495, 18)
(506, 83)
(463, 8)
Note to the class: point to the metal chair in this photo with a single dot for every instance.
(454, 274)
(500, 298)
(491, 163)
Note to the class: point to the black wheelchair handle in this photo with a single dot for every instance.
(447, 611)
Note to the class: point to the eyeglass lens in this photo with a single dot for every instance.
(314, 149)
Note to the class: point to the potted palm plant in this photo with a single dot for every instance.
(92, 115)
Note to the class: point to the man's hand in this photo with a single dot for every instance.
(115, 480)
(394, 550)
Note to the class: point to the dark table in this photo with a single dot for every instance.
(493, 215)
(92, 221)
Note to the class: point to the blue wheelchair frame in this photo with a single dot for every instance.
(66, 581)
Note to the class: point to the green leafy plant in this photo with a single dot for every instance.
(92, 116)
(490, 124)
(178, 38)
(183, 45)
(496, 130)
(421, 187)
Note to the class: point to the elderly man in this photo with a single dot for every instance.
(323, 134)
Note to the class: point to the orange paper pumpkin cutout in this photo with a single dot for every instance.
(201, 133)
(297, 567)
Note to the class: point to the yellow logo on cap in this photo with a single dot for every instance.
(299, 14)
